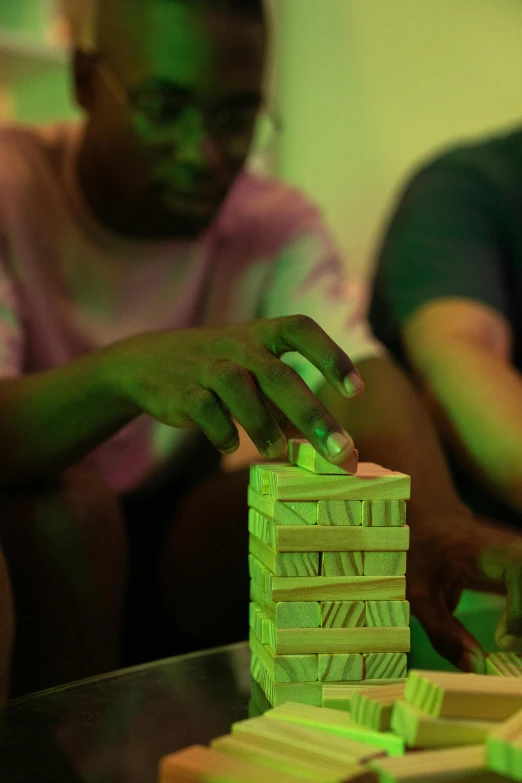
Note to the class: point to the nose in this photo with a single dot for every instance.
(194, 144)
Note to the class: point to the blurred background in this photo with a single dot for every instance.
(366, 88)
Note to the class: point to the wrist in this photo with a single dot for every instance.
(114, 378)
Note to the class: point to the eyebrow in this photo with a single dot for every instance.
(246, 99)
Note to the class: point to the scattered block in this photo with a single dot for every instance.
(338, 668)
(373, 707)
(385, 563)
(339, 696)
(387, 614)
(422, 731)
(285, 563)
(338, 723)
(504, 748)
(297, 484)
(456, 764)
(295, 514)
(314, 538)
(303, 454)
(342, 564)
(286, 668)
(384, 666)
(343, 614)
(384, 513)
(198, 764)
(339, 512)
(279, 755)
(470, 696)
(297, 641)
(504, 664)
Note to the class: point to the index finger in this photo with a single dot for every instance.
(302, 334)
(509, 630)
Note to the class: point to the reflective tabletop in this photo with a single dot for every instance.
(115, 728)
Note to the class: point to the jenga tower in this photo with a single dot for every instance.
(327, 566)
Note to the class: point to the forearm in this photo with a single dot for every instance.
(391, 427)
(50, 420)
(478, 402)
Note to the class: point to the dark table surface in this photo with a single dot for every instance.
(115, 728)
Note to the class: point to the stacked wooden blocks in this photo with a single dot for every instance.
(328, 588)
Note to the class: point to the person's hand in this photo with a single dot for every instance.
(205, 378)
(452, 552)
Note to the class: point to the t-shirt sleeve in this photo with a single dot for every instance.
(442, 241)
(309, 278)
(11, 331)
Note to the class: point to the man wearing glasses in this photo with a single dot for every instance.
(149, 286)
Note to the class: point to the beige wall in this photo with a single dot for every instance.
(369, 87)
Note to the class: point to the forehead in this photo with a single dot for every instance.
(192, 46)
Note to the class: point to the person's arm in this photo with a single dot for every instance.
(450, 550)
(462, 352)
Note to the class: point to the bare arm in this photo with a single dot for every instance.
(461, 350)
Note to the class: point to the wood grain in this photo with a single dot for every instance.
(285, 668)
(284, 563)
(340, 667)
(386, 665)
(339, 512)
(342, 564)
(387, 614)
(303, 454)
(297, 484)
(384, 513)
(343, 614)
(299, 513)
(296, 641)
(385, 563)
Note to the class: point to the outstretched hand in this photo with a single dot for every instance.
(453, 552)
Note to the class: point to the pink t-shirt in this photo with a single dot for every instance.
(68, 285)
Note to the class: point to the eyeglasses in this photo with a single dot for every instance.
(234, 130)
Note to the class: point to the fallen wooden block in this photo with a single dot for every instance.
(339, 696)
(373, 707)
(339, 512)
(456, 764)
(290, 483)
(504, 748)
(198, 764)
(278, 755)
(303, 454)
(338, 723)
(470, 696)
(384, 513)
(295, 514)
(387, 614)
(504, 664)
(284, 563)
(343, 614)
(422, 731)
(296, 641)
(316, 538)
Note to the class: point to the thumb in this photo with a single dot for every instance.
(448, 636)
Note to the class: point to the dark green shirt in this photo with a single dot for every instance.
(457, 231)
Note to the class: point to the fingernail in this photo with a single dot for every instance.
(507, 642)
(337, 442)
(471, 662)
(275, 449)
(353, 383)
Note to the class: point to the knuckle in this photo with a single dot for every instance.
(228, 374)
(301, 324)
(317, 419)
(201, 403)
(278, 374)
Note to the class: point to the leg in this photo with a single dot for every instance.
(66, 549)
(6, 629)
(205, 563)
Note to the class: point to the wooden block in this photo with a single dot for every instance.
(259, 575)
(383, 666)
(339, 512)
(338, 723)
(342, 563)
(284, 563)
(470, 696)
(303, 454)
(385, 563)
(504, 664)
(337, 668)
(316, 538)
(298, 484)
(422, 731)
(259, 477)
(198, 764)
(286, 668)
(295, 514)
(279, 755)
(259, 623)
(288, 614)
(387, 614)
(297, 641)
(282, 692)
(337, 588)
(456, 764)
(339, 695)
(373, 707)
(342, 614)
(504, 748)
(384, 513)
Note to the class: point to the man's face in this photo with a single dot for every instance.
(195, 79)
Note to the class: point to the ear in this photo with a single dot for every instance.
(84, 65)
